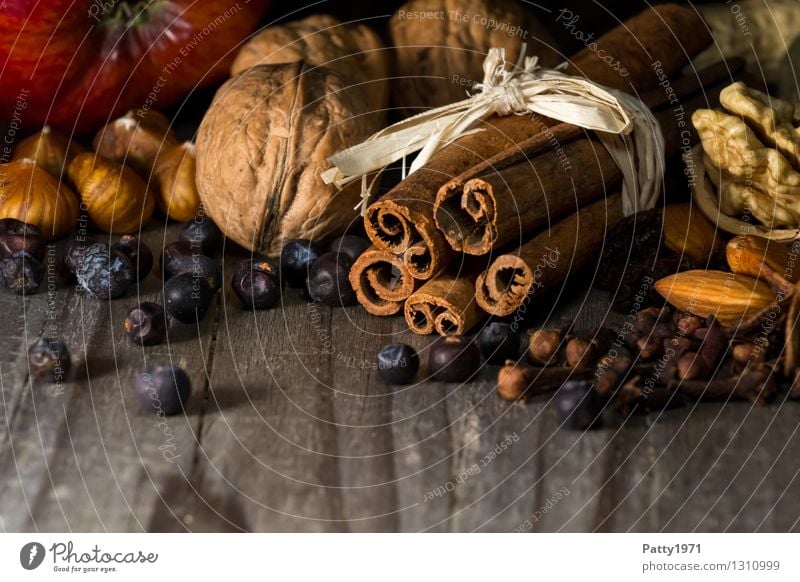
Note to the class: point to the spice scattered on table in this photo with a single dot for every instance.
(397, 363)
(257, 284)
(49, 360)
(146, 324)
(162, 389)
(453, 359)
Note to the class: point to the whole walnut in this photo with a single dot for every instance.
(354, 50)
(261, 149)
(440, 46)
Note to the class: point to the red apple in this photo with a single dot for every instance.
(76, 64)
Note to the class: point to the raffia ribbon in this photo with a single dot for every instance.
(625, 126)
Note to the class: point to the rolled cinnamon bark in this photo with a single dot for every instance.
(547, 259)
(628, 56)
(445, 304)
(507, 200)
(670, 34)
(545, 177)
(381, 281)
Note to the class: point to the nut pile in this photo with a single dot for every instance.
(137, 164)
(728, 333)
(751, 153)
(658, 360)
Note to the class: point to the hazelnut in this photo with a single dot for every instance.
(136, 139)
(30, 194)
(49, 149)
(115, 197)
(177, 193)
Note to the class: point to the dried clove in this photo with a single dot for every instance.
(748, 353)
(674, 349)
(756, 385)
(610, 371)
(632, 397)
(519, 382)
(693, 366)
(543, 346)
(581, 353)
(686, 323)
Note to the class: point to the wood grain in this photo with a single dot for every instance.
(290, 429)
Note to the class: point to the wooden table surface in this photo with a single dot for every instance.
(289, 429)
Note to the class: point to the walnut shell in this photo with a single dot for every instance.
(440, 46)
(177, 195)
(354, 50)
(262, 146)
(51, 150)
(30, 194)
(136, 139)
(114, 196)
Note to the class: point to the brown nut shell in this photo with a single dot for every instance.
(115, 197)
(352, 49)
(30, 194)
(136, 139)
(177, 194)
(440, 46)
(49, 149)
(263, 145)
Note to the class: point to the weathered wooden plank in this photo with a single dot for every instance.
(269, 438)
(708, 468)
(362, 407)
(23, 320)
(423, 447)
(299, 434)
(87, 458)
(495, 456)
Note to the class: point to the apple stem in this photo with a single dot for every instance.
(126, 15)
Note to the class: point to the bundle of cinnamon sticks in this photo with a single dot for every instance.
(500, 215)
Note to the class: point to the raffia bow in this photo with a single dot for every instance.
(625, 126)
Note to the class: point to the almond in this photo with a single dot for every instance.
(746, 254)
(686, 231)
(730, 297)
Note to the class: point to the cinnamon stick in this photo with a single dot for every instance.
(381, 281)
(404, 216)
(668, 34)
(445, 304)
(521, 189)
(547, 259)
(499, 205)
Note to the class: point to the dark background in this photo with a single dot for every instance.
(597, 17)
(602, 15)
